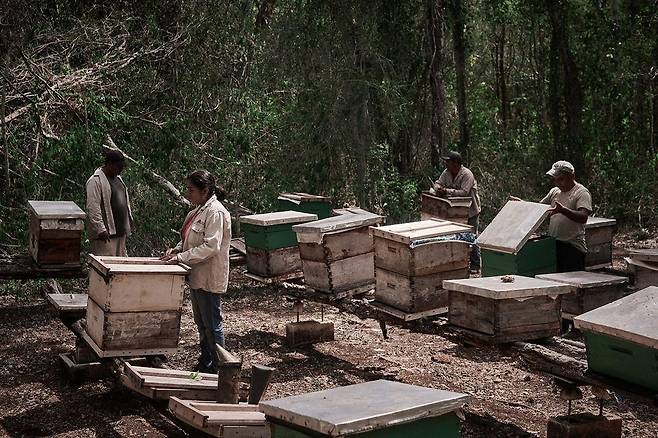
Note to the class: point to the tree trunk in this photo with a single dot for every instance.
(553, 87)
(3, 108)
(436, 17)
(265, 11)
(501, 84)
(459, 51)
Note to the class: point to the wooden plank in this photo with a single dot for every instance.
(56, 210)
(178, 383)
(23, 267)
(632, 318)
(203, 416)
(407, 233)
(644, 255)
(276, 279)
(495, 288)
(338, 223)
(239, 245)
(584, 279)
(513, 226)
(645, 273)
(278, 218)
(404, 316)
(66, 303)
(597, 222)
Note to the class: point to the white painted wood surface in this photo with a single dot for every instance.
(596, 222)
(495, 288)
(362, 407)
(584, 279)
(107, 265)
(649, 255)
(278, 218)
(56, 210)
(633, 318)
(301, 196)
(413, 231)
(513, 226)
(313, 231)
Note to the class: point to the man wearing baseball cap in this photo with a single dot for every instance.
(571, 205)
(457, 180)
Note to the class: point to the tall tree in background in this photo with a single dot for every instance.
(436, 19)
(459, 52)
(568, 144)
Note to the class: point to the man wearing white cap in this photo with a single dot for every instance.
(571, 204)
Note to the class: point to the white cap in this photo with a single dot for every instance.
(563, 167)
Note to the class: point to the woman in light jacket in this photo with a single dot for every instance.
(204, 246)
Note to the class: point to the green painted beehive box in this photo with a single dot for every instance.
(506, 244)
(270, 231)
(305, 203)
(373, 409)
(622, 338)
(537, 256)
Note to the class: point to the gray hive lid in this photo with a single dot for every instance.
(413, 231)
(644, 255)
(513, 226)
(584, 279)
(633, 318)
(56, 210)
(337, 223)
(278, 218)
(596, 222)
(495, 288)
(362, 407)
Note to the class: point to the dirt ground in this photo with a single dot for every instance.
(508, 399)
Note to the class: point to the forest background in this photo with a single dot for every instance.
(355, 99)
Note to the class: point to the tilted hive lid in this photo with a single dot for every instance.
(513, 226)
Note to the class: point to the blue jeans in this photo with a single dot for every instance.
(207, 310)
(475, 249)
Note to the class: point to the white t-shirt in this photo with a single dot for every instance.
(560, 226)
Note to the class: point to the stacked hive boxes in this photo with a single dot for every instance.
(412, 260)
(55, 233)
(272, 249)
(134, 305)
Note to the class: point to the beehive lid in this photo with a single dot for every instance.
(646, 265)
(56, 210)
(338, 223)
(495, 288)
(135, 265)
(596, 222)
(644, 255)
(632, 318)
(348, 210)
(278, 218)
(362, 407)
(412, 231)
(513, 226)
(299, 197)
(584, 279)
(454, 201)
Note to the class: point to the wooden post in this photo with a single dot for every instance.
(260, 380)
(228, 376)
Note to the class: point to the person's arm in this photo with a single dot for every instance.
(548, 198)
(94, 212)
(579, 215)
(440, 184)
(467, 184)
(212, 241)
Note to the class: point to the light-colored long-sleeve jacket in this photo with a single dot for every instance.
(463, 184)
(206, 249)
(99, 209)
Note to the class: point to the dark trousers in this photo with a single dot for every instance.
(207, 310)
(475, 249)
(569, 258)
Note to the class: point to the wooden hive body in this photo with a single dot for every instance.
(450, 209)
(55, 232)
(598, 238)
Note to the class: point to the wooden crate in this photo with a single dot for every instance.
(536, 256)
(275, 262)
(622, 338)
(527, 308)
(598, 237)
(221, 420)
(337, 252)
(305, 203)
(645, 274)
(378, 408)
(451, 209)
(160, 383)
(132, 330)
(136, 284)
(414, 294)
(55, 233)
(589, 290)
(272, 230)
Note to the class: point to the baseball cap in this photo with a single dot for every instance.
(453, 155)
(563, 167)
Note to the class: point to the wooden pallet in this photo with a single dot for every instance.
(221, 420)
(349, 293)
(24, 268)
(404, 316)
(502, 338)
(277, 279)
(160, 384)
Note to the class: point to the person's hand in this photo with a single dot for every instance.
(169, 252)
(170, 259)
(104, 236)
(557, 208)
(439, 189)
(514, 198)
